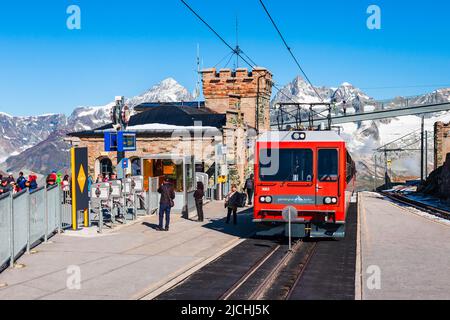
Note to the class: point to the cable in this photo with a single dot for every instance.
(239, 52)
(289, 49)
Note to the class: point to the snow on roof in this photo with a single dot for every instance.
(164, 127)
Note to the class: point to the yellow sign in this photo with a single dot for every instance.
(81, 179)
(222, 179)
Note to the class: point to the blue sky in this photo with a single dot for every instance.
(125, 47)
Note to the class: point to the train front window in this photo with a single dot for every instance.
(286, 165)
(328, 165)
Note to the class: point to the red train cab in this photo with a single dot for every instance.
(309, 173)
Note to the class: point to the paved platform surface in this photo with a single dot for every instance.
(411, 252)
(127, 263)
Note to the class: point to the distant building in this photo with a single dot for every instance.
(441, 143)
(236, 106)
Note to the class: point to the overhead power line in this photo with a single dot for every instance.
(238, 51)
(290, 50)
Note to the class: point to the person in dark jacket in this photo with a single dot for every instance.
(165, 203)
(32, 182)
(231, 202)
(249, 187)
(10, 178)
(5, 186)
(21, 181)
(198, 196)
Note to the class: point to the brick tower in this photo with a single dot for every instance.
(241, 90)
(441, 143)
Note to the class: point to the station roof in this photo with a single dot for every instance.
(166, 118)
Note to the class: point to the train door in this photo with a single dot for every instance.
(327, 182)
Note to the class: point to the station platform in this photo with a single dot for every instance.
(133, 261)
(407, 249)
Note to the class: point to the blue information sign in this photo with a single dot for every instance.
(120, 141)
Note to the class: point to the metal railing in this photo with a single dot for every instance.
(27, 219)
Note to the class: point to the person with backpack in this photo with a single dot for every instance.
(231, 203)
(249, 187)
(198, 196)
(31, 184)
(165, 203)
(21, 181)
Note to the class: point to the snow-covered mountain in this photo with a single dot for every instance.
(27, 142)
(363, 138)
(20, 133)
(168, 90)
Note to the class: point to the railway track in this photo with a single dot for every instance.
(418, 205)
(275, 275)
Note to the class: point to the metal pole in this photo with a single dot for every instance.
(60, 209)
(289, 228)
(386, 174)
(46, 213)
(426, 154)
(11, 235)
(28, 221)
(375, 173)
(422, 148)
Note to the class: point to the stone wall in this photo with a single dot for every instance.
(444, 179)
(201, 148)
(441, 143)
(241, 90)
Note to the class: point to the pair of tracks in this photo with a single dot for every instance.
(418, 205)
(275, 275)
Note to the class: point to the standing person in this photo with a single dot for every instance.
(99, 179)
(250, 187)
(65, 186)
(165, 203)
(90, 181)
(10, 178)
(59, 178)
(231, 202)
(51, 179)
(5, 186)
(198, 196)
(32, 182)
(21, 181)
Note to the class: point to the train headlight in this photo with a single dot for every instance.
(327, 200)
(265, 199)
(299, 136)
(334, 200)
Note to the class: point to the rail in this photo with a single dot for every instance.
(28, 219)
(417, 204)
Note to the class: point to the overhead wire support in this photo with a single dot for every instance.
(239, 52)
(290, 50)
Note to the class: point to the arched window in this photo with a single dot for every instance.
(136, 167)
(105, 167)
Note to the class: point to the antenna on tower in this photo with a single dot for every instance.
(197, 87)
(237, 50)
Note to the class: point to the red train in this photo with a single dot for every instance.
(310, 173)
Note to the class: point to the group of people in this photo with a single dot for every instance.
(231, 201)
(10, 184)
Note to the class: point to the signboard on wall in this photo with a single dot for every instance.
(80, 195)
(120, 141)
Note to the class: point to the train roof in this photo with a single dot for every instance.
(272, 136)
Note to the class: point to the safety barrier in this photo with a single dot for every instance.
(26, 219)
